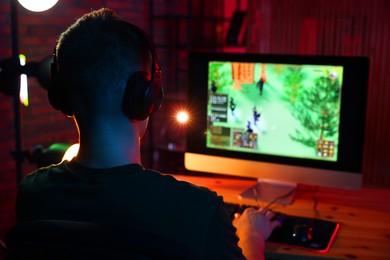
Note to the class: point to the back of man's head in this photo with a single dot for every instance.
(95, 57)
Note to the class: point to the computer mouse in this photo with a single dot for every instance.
(302, 233)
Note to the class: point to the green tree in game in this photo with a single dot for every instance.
(317, 109)
(293, 83)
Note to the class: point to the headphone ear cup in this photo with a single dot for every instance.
(141, 97)
(56, 93)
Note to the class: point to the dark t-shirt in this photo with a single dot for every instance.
(131, 196)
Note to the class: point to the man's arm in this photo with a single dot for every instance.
(222, 239)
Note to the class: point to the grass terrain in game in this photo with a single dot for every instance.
(275, 109)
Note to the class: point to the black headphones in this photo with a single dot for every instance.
(143, 94)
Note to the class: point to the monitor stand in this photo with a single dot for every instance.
(271, 191)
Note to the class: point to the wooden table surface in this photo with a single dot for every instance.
(364, 216)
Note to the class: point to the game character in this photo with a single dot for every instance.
(262, 80)
(256, 116)
(248, 127)
(232, 105)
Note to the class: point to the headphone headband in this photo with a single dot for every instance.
(143, 94)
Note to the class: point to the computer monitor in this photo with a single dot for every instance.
(283, 119)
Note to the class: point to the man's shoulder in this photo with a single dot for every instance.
(42, 174)
(169, 181)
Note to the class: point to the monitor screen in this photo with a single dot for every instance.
(284, 117)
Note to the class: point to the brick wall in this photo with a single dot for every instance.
(41, 124)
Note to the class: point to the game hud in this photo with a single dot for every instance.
(274, 109)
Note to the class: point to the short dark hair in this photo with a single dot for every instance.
(96, 55)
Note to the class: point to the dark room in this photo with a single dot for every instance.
(195, 129)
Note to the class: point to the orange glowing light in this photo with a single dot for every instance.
(71, 152)
(182, 117)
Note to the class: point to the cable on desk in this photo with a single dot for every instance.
(255, 195)
(281, 197)
(315, 204)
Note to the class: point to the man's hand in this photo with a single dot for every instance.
(253, 228)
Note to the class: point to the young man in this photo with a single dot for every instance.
(106, 76)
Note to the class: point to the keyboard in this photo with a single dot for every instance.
(234, 208)
(323, 231)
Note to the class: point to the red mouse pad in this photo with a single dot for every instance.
(308, 233)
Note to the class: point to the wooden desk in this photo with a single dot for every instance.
(364, 216)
